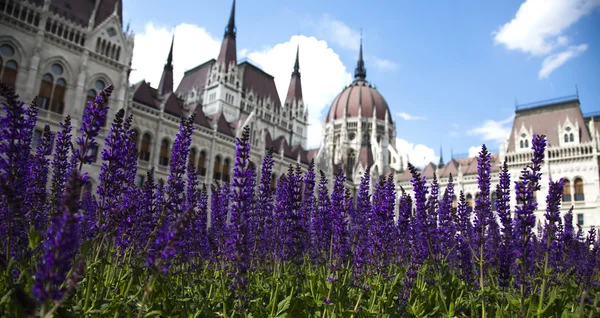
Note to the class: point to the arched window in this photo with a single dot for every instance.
(226, 164)
(566, 138)
(566, 190)
(217, 168)
(571, 137)
(469, 202)
(53, 90)
(350, 163)
(202, 163)
(192, 159)
(579, 190)
(454, 202)
(273, 182)
(522, 144)
(145, 147)
(8, 66)
(526, 143)
(163, 159)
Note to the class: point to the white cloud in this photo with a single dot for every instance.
(193, 46)
(338, 32)
(538, 24)
(323, 75)
(407, 116)
(554, 61)
(418, 155)
(493, 130)
(474, 151)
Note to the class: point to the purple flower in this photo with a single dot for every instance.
(37, 198)
(337, 220)
(321, 232)
(361, 241)
(62, 242)
(61, 166)
(263, 213)
(94, 116)
(447, 228)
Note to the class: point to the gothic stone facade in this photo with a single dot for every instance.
(572, 153)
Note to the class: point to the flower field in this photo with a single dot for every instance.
(240, 249)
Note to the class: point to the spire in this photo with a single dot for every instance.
(360, 73)
(170, 57)
(297, 63)
(295, 90)
(228, 55)
(166, 80)
(230, 29)
(441, 163)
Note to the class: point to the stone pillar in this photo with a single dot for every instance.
(78, 104)
(211, 156)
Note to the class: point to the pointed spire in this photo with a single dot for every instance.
(230, 29)
(170, 57)
(165, 85)
(295, 89)
(228, 54)
(360, 73)
(297, 63)
(441, 163)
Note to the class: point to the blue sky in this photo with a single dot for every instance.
(450, 70)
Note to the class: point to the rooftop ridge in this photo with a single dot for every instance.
(547, 102)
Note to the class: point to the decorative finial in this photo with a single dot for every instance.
(230, 29)
(360, 73)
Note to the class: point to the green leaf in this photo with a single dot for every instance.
(34, 238)
(283, 306)
(154, 313)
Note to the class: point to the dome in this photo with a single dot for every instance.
(360, 95)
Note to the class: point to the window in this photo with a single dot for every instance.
(350, 163)
(145, 147)
(53, 90)
(226, 164)
(217, 169)
(566, 138)
(94, 152)
(92, 93)
(8, 66)
(494, 198)
(192, 159)
(454, 202)
(469, 202)
(139, 180)
(522, 144)
(579, 190)
(273, 182)
(571, 137)
(580, 219)
(163, 160)
(567, 190)
(37, 136)
(202, 163)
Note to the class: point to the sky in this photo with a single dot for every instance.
(450, 71)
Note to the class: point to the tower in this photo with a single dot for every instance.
(294, 104)
(222, 90)
(165, 85)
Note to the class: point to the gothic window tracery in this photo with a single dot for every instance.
(8, 66)
(53, 90)
(202, 163)
(144, 154)
(566, 191)
(579, 195)
(164, 157)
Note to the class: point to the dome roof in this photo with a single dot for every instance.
(359, 95)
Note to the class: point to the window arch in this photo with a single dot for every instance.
(217, 168)
(202, 163)
(273, 182)
(226, 164)
(144, 154)
(566, 138)
(579, 195)
(192, 159)
(566, 190)
(53, 90)
(522, 144)
(8, 66)
(163, 159)
(571, 137)
(350, 163)
(469, 202)
(526, 143)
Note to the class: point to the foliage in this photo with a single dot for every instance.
(241, 249)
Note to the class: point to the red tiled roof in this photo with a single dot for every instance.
(80, 11)
(260, 82)
(195, 77)
(144, 94)
(546, 119)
